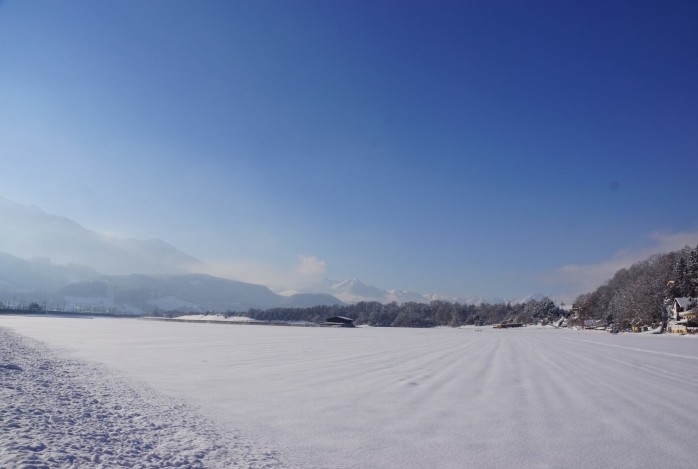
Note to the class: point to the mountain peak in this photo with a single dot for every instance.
(349, 283)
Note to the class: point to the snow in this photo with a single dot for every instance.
(354, 290)
(63, 413)
(404, 398)
(213, 317)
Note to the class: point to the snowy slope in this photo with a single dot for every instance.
(188, 293)
(19, 275)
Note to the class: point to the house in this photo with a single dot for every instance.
(677, 328)
(681, 305)
(339, 321)
(594, 323)
(507, 325)
(683, 316)
(691, 316)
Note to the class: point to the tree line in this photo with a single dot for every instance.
(435, 313)
(642, 292)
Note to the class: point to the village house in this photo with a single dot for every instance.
(681, 305)
(683, 316)
(594, 324)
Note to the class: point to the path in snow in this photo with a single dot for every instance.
(63, 413)
(416, 398)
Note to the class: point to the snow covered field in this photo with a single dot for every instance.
(370, 397)
(58, 412)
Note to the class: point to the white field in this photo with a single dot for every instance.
(411, 398)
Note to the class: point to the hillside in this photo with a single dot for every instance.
(639, 293)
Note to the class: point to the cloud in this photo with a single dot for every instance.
(247, 271)
(309, 273)
(311, 266)
(674, 241)
(576, 279)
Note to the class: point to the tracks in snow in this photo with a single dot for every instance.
(61, 413)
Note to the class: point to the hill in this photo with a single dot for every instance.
(639, 293)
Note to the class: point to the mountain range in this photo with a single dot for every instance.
(75, 287)
(353, 291)
(52, 259)
(28, 232)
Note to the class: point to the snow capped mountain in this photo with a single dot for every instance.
(531, 297)
(73, 265)
(138, 293)
(50, 259)
(354, 290)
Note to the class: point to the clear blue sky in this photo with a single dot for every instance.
(460, 148)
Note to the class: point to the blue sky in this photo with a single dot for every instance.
(461, 148)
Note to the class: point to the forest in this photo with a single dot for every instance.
(641, 293)
(435, 313)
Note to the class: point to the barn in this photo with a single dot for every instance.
(339, 321)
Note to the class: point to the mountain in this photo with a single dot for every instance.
(51, 259)
(29, 232)
(19, 275)
(140, 293)
(72, 265)
(82, 288)
(354, 291)
(308, 300)
(531, 297)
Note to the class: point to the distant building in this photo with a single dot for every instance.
(339, 321)
(507, 325)
(594, 323)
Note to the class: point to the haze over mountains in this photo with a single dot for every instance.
(52, 259)
(354, 290)
(29, 232)
(75, 287)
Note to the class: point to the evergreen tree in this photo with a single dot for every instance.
(692, 272)
(682, 283)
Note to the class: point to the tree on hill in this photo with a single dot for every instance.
(692, 272)
(682, 282)
(633, 295)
